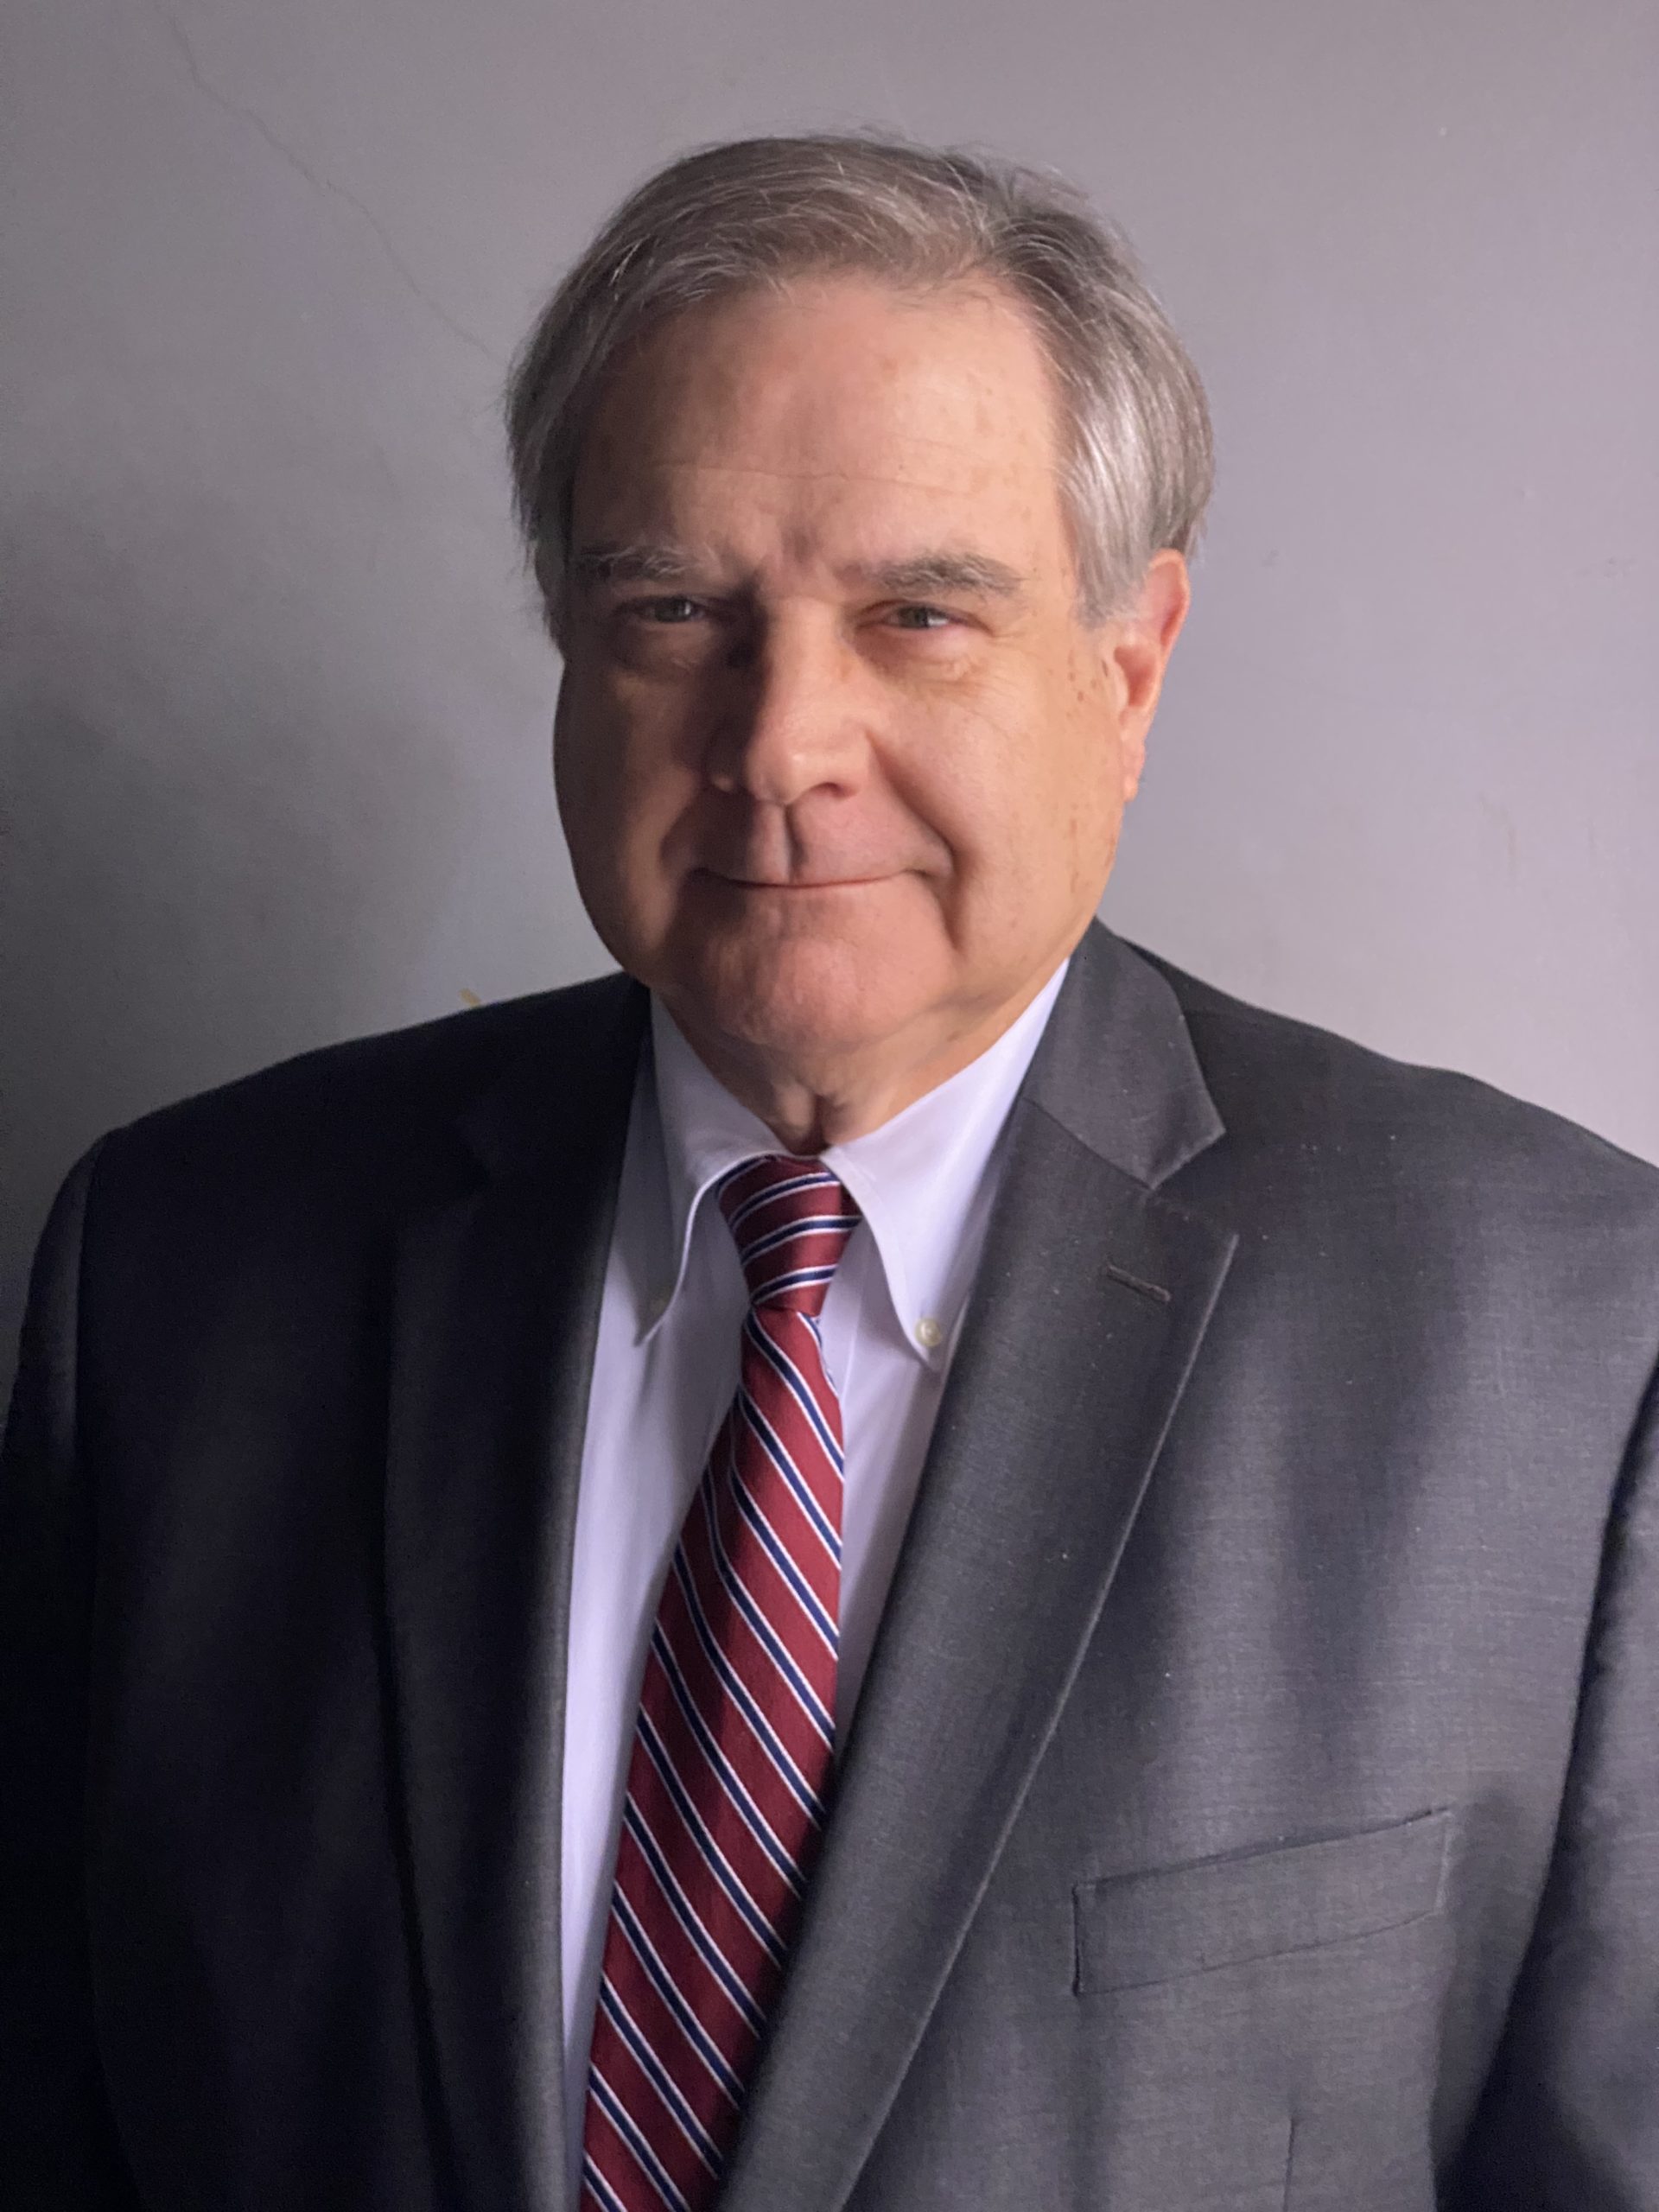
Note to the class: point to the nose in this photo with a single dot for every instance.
(796, 715)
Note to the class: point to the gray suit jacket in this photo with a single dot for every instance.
(1254, 1799)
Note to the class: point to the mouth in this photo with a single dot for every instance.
(828, 883)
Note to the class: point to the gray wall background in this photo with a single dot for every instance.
(275, 707)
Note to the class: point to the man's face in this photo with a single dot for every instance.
(841, 771)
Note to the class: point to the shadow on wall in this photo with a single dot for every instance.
(188, 894)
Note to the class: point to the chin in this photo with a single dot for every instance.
(800, 998)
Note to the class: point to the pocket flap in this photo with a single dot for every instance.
(1152, 1926)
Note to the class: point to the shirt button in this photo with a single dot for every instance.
(929, 1332)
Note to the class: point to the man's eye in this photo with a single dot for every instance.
(676, 608)
(921, 618)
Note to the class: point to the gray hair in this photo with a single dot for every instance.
(1136, 459)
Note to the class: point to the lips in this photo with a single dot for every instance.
(814, 883)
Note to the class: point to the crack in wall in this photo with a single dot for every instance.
(318, 182)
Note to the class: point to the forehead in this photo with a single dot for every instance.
(839, 408)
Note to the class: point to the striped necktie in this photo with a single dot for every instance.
(730, 1775)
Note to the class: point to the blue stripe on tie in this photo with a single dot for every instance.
(808, 1224)
(716, 1863)
(605, 2194)
(791, 1279)
(806, 1597)
(745, 1209)
(747, 1811)
(622, 2119)
(796, 1383)
(685, 1912)
(657, 2075)
(681, 1910)
(794, 1780)
(814, 1179)
(666, 1987)
(771, 1444)
(790, 1475)
(758, 1422)
(805, 1696)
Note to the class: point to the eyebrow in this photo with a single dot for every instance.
(919, 573)
(629, 564)
(912, 577)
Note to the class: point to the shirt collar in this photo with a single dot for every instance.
(915, 1177)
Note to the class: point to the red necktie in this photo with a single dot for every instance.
(729, 1776)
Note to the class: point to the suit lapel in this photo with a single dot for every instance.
(495, 1313)
(1093, 1295)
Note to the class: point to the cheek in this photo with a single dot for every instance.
(1031, 813)
(1079, 774)
(616, 775)
(1017, 790)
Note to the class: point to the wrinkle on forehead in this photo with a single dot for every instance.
(857, 456)
(919, 439)
(668, 469)
(700, 379)
(656, 514)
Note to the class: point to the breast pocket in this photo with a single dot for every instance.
(1160, 1923)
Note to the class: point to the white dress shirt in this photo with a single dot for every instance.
(665, 1370)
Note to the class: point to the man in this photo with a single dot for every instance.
(898, 1558)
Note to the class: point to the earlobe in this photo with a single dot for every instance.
(1134, 761)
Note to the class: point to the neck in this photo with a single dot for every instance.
(809, 1108)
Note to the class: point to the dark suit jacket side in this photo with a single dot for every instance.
(1253, 1802)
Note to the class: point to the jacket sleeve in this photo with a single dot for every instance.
(58, 2146)
(1569, 2121)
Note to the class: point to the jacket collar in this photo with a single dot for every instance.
(1117, 1068)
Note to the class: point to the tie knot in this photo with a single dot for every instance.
(792, 1219)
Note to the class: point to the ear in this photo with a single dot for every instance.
(551, 582)
(1136, 646)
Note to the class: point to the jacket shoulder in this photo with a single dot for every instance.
(1279, 1082)
(361, 1102)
